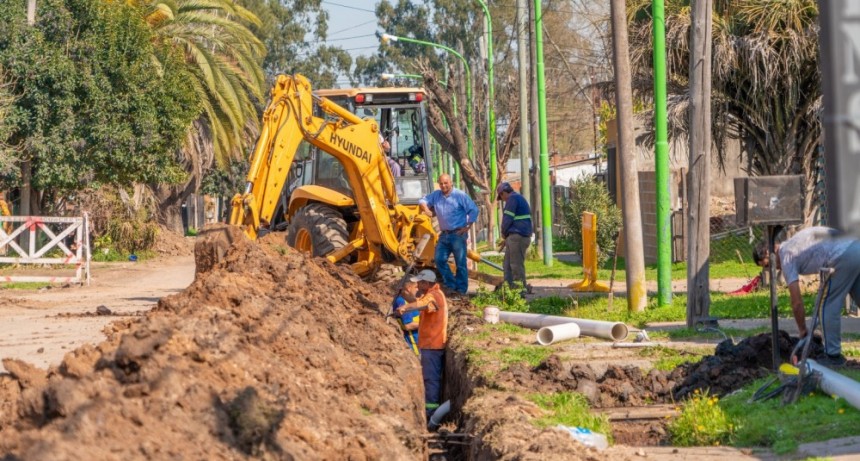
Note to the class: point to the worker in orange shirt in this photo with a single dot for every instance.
(432, 335)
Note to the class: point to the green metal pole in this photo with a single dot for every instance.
(545, 197)
(494, 174)
(661, 160)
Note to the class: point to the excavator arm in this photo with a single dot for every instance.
(288, 120)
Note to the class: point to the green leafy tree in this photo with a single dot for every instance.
(586, 194)
(8, 156)
(90, 104)
(766, 82)
(224, 58)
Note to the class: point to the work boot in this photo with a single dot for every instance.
(832, 361)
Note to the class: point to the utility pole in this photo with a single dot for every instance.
(534, 136)
(635, 259)
(699, 183)
(31, 12)
(26, 164)
(522, 31)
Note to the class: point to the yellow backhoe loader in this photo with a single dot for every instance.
(319, 170)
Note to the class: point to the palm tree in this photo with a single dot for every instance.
(225, 59)
(766, 83)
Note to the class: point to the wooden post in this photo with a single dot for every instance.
(699, 183)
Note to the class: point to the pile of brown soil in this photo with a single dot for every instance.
(170, 243)
(617, 386)
(265, 355)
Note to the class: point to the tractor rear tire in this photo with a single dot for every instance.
(318, 230)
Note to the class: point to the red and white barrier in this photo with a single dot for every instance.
(47, 233)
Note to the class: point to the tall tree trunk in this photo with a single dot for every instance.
(630, 208)
(699, 183)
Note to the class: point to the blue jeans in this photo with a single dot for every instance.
(452, 243)
(844, 281)
(432, 364)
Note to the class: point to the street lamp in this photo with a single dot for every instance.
(386, 76)
(394, 38)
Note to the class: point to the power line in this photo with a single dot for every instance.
(347, 6)
(347, 38)
(352, 27)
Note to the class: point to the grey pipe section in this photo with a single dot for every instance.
(556, 333)
(836, 384)
(440, 413)
(492, 264)
(616, 331)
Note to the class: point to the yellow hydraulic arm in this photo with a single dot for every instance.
(353, 141)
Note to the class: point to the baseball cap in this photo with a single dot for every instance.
(503, 187)
(426, 275)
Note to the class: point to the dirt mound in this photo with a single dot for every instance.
(501, 426)
(265, 355)
(733, 366)
(616, 386)
(170, 243)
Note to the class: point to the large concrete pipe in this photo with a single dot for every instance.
(836, 384)
(556, 333)
(615, 331)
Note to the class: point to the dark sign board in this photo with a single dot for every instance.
(840, 80)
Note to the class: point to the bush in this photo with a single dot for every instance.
(702, 422)
(586, 194)
(505, 298)
(119, 222)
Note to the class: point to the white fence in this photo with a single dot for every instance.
(53, 233)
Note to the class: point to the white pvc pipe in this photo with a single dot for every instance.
(836, 384)
(555, 333)
(615, 331)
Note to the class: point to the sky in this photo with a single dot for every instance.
(351, 26)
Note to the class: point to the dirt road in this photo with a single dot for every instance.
(41, 326)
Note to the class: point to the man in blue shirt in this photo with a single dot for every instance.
(517, 232)
(456, 213)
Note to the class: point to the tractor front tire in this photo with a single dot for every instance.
(318, 230)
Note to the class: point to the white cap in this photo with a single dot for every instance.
(426, 275)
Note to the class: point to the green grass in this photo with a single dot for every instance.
(782, 428)
(23, 285)
(535, 269)
(570, 409)
(596, 307)
(667, 359)
(115, 256)
(529, 354)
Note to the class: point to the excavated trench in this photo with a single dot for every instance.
(497, 416)
(267, 355)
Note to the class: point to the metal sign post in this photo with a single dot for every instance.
(840, 76)
(775, 201)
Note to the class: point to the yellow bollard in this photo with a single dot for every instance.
(589, 257)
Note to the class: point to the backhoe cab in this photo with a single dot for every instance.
(319, 171)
